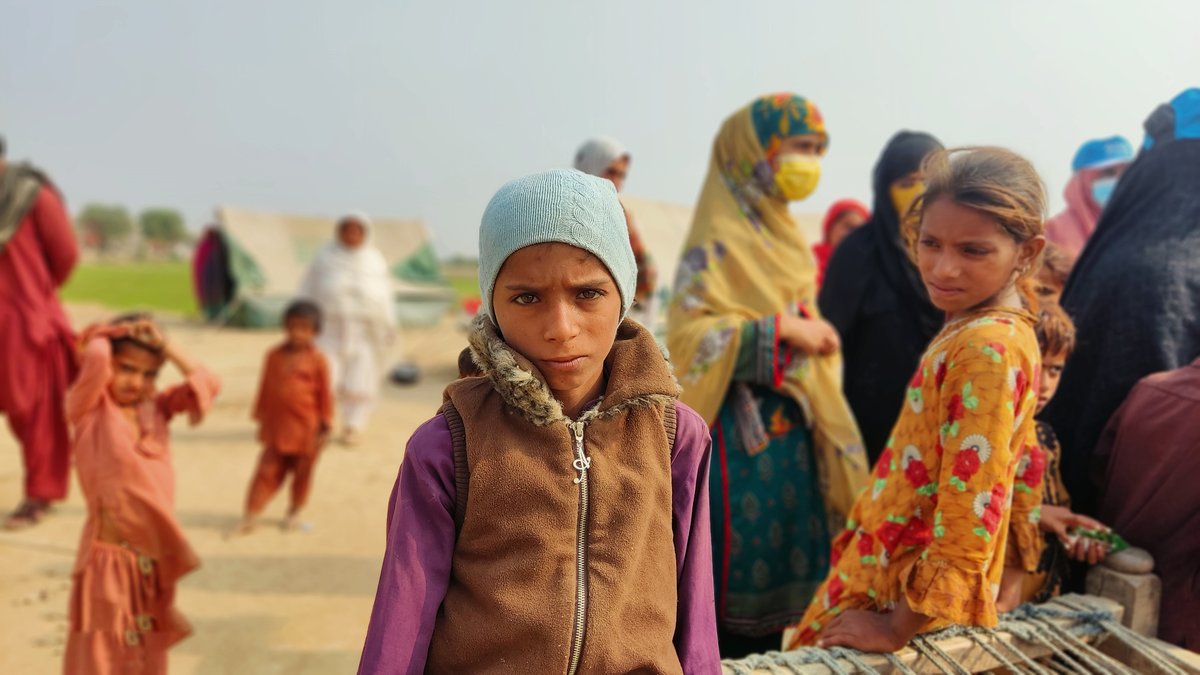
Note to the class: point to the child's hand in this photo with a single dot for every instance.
(143, 330)
(1086, 550)
(1060, 521)
(322, 437)
(106, 330)
(864, 631)
(177, 356)
(809, 336)
(146, 332)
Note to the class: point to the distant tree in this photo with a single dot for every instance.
(162, 227)
(105, 226)
(462, 259)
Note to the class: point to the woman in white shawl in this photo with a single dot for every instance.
(350, 282)
(607, 158)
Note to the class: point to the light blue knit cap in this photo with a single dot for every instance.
(562, 205)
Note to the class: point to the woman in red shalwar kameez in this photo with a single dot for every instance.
(37, 253)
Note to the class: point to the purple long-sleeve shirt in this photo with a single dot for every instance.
(420, 545)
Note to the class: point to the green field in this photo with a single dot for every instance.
(163, 287)
(167, 287)
(464, 286)
(463, 277)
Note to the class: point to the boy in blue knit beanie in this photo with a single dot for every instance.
(553, 516)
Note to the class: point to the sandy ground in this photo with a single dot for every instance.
(272, 602)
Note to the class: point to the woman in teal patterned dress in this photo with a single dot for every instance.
(758, 363)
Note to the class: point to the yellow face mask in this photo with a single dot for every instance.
(903, 197)
(797, 176)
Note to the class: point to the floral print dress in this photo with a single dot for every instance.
(769, 522)
(959, 480)
(1053, 572)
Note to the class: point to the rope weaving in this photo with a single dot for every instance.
(1101, 660)
(928, 649)
(976, 634)
(852, 656)
(831, 662)
(1068, 650)
(1030, 632)
(1135, 641)
(900, 665)
(1063, 629)
(1063, 670)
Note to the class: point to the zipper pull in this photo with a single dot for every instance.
(582, 462)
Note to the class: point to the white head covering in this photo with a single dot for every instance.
(351, 282)
(358, 217)
(597, 154)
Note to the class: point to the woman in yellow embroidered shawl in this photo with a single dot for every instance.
(757, 362)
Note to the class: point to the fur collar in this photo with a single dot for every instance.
(637, 370)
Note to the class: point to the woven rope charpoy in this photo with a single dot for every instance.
(1062, 628)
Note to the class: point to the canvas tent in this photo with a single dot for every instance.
(247, 266)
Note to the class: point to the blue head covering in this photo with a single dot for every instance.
(777, 117)
(563, 205)
(1176, 120)
(1102, 152)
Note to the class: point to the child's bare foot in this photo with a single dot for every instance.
(349, 437)
(27, 514)
(293, 524)
(245, 527)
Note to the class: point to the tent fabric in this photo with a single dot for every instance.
(263, 255)
(420, 267)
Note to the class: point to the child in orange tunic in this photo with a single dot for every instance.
(294, 412)
(1056, 339)
(925, 544)
(1052, 277)
(133, 551)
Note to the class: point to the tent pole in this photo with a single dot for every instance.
(222, 319)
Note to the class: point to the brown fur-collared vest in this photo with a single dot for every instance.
(565, 560)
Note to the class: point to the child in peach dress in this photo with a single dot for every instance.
(133, 551)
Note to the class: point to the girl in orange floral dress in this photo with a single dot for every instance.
(926, 544)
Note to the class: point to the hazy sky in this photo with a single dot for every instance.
(425, 108)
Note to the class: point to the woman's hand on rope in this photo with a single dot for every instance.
(862, 630)
(809, 336)
(1061, 522)
(868, 631)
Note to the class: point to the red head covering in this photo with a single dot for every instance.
(839, 209)
(824, 250)
(1072, 227)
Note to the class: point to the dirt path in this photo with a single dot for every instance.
(271, 602)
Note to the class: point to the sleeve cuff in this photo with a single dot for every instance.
(949, 594)
(771, 355)
(771, 368)
(762, 358)
(204, 386)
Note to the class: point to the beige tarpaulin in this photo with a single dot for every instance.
(282, 245)
(269, 253)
